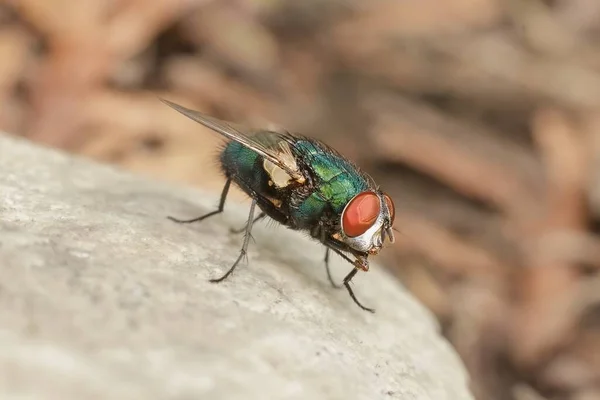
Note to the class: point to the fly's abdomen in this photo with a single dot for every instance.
(244, 166)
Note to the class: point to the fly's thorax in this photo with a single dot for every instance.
(367, 221)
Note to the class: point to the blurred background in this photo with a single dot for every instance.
(480, 117)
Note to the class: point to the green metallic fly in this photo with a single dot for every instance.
(304, 185)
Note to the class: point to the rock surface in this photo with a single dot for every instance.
(102, 297)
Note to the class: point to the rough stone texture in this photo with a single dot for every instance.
(102, 297)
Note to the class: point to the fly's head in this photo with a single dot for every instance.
(367, 221)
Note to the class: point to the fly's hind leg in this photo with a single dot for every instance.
(244, 248)
(210, 214)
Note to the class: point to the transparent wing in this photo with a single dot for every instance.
(243, 136)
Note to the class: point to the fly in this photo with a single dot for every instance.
(304, 185)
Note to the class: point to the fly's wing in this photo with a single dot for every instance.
(264, 144)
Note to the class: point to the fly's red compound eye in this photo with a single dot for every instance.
(360, 214)
(391, 207)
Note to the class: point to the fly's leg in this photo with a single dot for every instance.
(319, 232)
(210, 214)
(347, 280)
(247, 232)
(243, 228)
(335, 285)
(359, 263)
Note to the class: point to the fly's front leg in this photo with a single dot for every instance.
(210, 214)
(361, 263)
(244, 248)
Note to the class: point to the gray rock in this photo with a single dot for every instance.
(102, 297)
